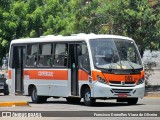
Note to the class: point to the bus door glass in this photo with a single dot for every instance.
(74, 68)
(80, 65)
(84, 70)
(18, 61)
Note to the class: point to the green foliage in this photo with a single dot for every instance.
(134, 18)
(138, 19)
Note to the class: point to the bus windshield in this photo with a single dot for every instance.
(109, 53)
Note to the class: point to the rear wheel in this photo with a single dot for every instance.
(88, 100)
(73, 100)
(132, 101)
(37, 99)
(6, 91)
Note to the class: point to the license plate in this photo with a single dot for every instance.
(122, 95)
(1, 87)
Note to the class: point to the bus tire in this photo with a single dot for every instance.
(6, 91)
(88, 100)
(73, 100)
(37, 99)
(132, 101)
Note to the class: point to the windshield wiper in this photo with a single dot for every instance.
(133, 69)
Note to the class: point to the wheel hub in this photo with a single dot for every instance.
(87, 96)
(35, 95)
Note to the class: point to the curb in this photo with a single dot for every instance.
(10, 104)
(151, 96)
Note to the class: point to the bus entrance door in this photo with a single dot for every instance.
(19, 52)
(74, 68)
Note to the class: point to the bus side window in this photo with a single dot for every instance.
(60, 55)
(83, 60)
(32, 51)
(45, 55)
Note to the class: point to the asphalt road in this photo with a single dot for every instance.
(145, 104)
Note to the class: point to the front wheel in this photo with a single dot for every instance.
(132, 101)
(88, 100)
(6, 90)
(37, 99)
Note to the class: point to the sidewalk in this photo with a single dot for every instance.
(152, 94)
(11, 100)
(10, 104)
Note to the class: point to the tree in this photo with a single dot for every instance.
(59, 17)
(138, 19)
(133, 18)
(33, 18)
(87, 17)
(4, 9)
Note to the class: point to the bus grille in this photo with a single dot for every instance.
(118, 83)
(122, 90)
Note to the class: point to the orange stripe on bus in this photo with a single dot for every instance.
(9, 74)
(114, 77)
(82, 75)
(47, 74)
(95, 73)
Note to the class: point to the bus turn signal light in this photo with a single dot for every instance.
(141, 81)
(100, 79)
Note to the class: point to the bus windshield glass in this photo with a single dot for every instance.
(111, 53)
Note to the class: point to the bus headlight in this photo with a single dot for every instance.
(101, 80)
(141, 81)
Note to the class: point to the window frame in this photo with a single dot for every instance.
(81, 67)
(53, 47)
(34, 66)
(11, 56)
(53, 54)
(50, 66)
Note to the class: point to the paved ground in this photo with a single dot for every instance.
(146, 104)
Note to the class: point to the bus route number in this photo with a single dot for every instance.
(129, 79)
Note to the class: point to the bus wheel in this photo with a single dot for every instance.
(73, 100)
(6, 91)
(37, 99)
(132, 101)
(88, 100)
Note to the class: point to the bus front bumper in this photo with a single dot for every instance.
(105, 91)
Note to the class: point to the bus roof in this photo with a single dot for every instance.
(73, 37)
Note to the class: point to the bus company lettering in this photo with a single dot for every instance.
(45, 73)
